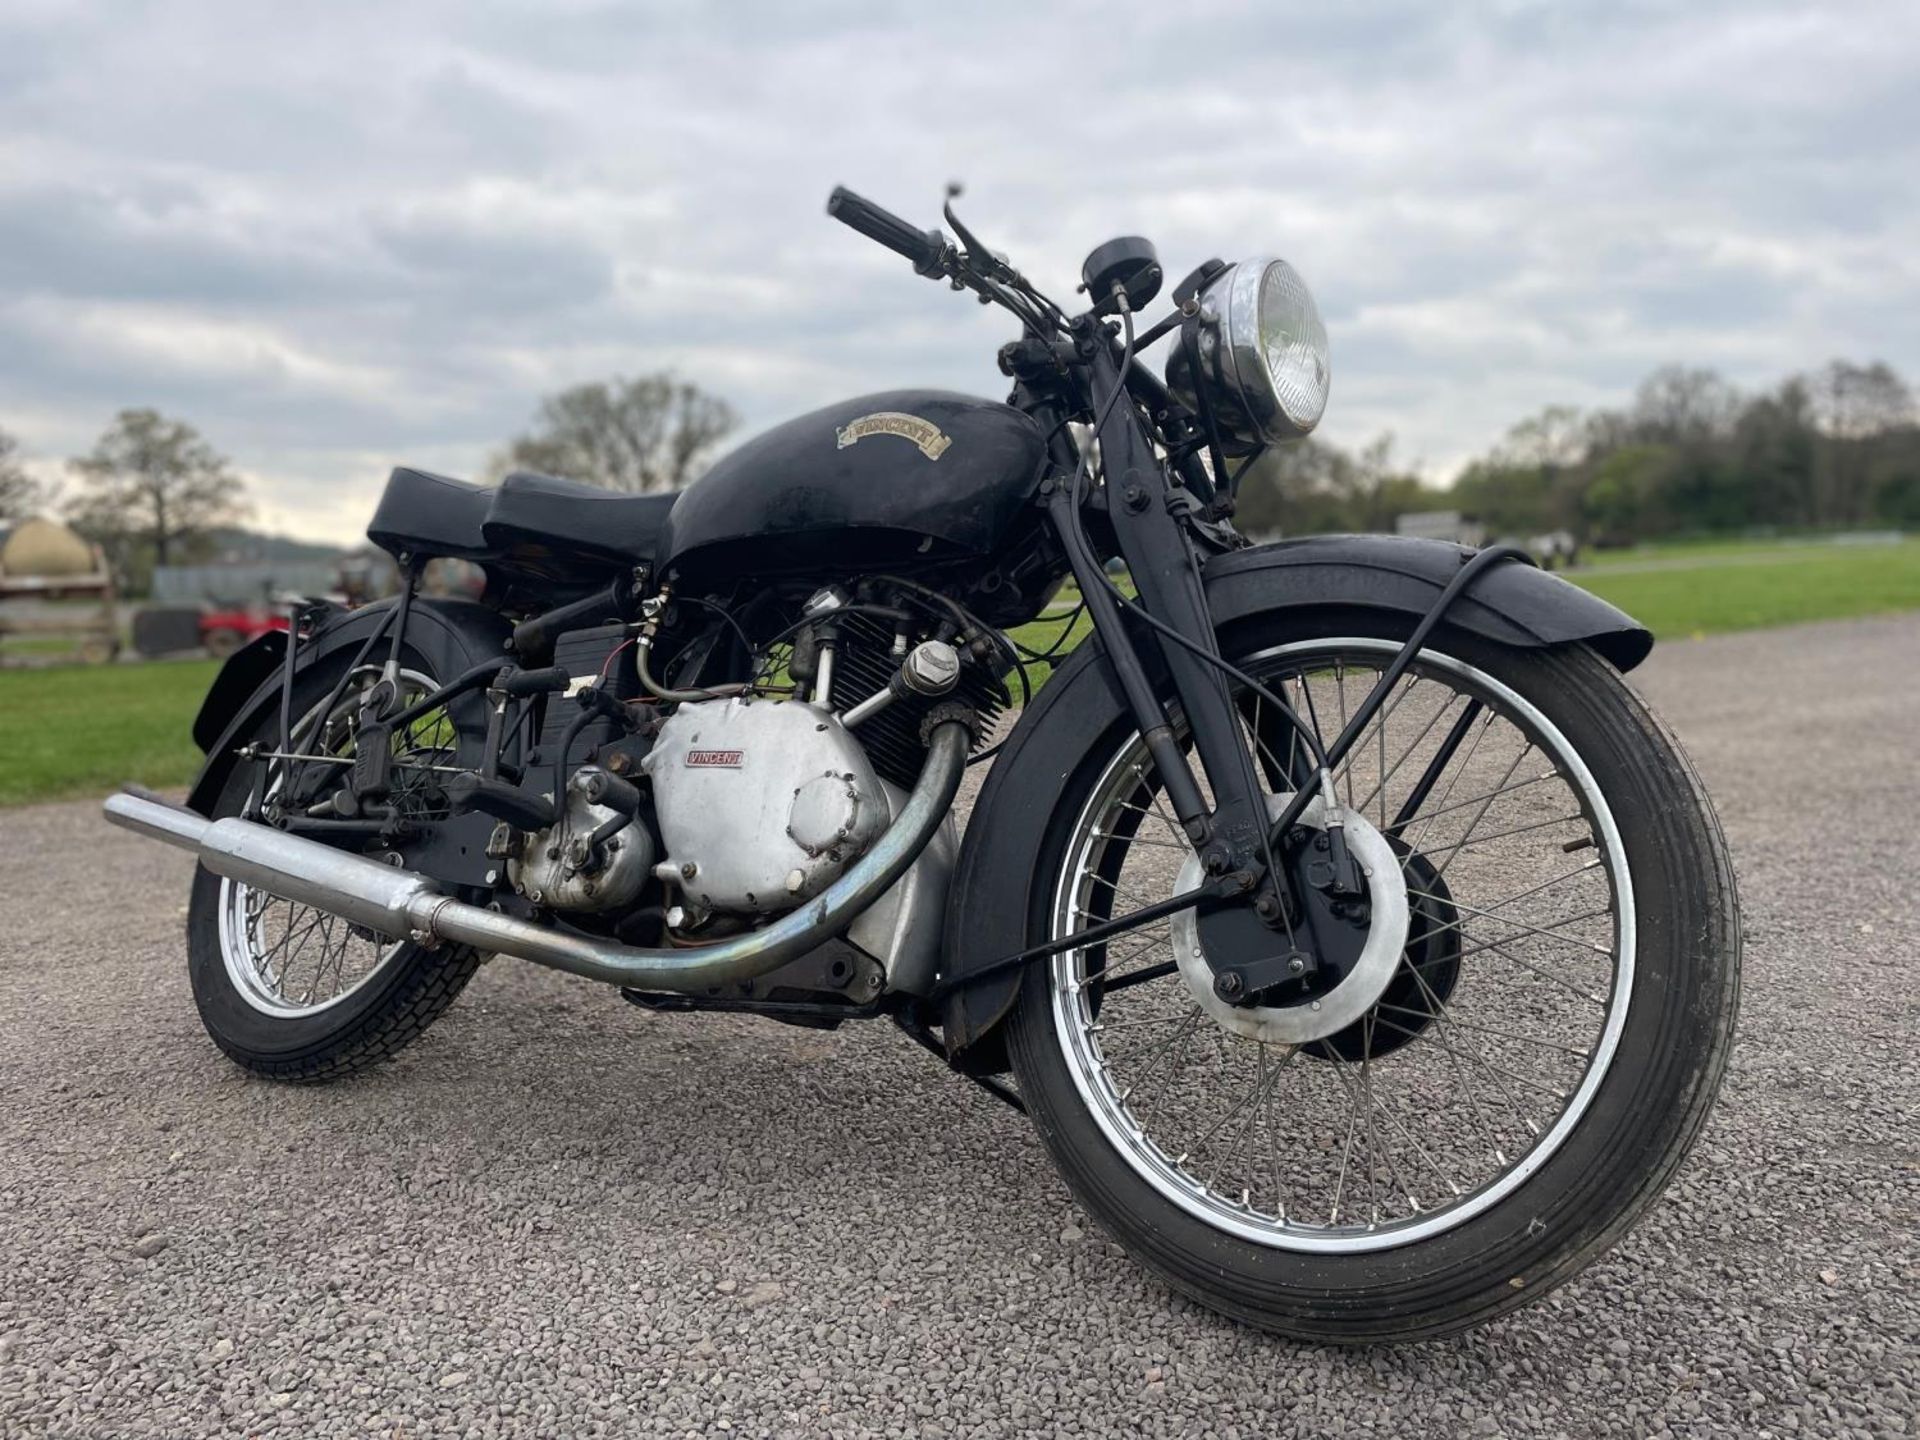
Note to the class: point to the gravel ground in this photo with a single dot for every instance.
(558, 1216)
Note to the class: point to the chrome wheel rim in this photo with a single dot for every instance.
(289, 960)
(1446, 1123)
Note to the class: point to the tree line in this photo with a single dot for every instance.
(153, 491)
(1689, 454)
(1836, 448)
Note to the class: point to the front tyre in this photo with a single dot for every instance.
(287, 991)
(1519, 1090)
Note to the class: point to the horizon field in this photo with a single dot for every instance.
(80, 730)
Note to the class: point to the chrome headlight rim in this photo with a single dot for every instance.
(1239, 360)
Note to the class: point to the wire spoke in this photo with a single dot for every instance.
(1160, 969)
(1175, 1040)
(1405, 1134)
(1481, 813)
(1475, 1056)
(1379, 725)
(1459, 1024)
(1425, 815)
(1493, 905)
(1474, 912)
(1102, 1027)
(1263, 1083)
(1498, 949)
(1440, 1018)
(1431, 850)
(1458, 763)
(1449, 1079)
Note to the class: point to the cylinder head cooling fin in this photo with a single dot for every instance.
(864, 662)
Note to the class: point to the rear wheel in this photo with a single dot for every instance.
(286, 990)
(1512, 1088)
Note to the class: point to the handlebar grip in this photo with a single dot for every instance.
(923, 247)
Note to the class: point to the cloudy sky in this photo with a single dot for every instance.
(340, 236)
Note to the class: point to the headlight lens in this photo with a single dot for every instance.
(1263, 353)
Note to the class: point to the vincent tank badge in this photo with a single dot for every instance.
(923, 433)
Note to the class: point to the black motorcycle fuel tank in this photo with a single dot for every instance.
(903, 477)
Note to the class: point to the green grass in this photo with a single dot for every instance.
(1041, 635)
(80, 730)
(1701, 548)
(39, 647)
(1699, 590)
(1700, 587)
(87, 729)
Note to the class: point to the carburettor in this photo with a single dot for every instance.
(761, 803)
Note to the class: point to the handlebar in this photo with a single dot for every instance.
(925, 248)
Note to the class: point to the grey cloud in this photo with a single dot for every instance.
(367, 230)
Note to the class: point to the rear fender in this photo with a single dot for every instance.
(998, 881)
(246, 670)
(449, 635)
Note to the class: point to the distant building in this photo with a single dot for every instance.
(1441, 525)
(245, 583)
(40, 561)
(1553, 550)
(45, 550)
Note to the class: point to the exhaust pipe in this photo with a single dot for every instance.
(406, 904)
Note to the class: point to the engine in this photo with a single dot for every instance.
(737, 809)
(761, 803)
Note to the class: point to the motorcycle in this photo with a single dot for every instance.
(1363, 948)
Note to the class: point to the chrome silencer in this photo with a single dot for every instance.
(408, 905)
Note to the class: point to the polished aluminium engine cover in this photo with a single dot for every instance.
(557, 867)
(761, 803)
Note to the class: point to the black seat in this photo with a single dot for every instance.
(568, 515)
(426, 514)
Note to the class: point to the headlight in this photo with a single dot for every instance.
(1263, 353)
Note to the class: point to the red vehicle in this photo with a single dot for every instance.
(224, 631)
(218, 629)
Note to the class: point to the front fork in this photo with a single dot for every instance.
(1233, 836)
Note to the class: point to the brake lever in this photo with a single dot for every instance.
(967, 237)
(985, 262)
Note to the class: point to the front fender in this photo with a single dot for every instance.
(450, 635)
(1515, 604)
(998, 881)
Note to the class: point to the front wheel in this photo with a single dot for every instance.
(1515, 1083)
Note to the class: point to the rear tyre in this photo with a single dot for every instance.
(289, 992)
(1536, 1080)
